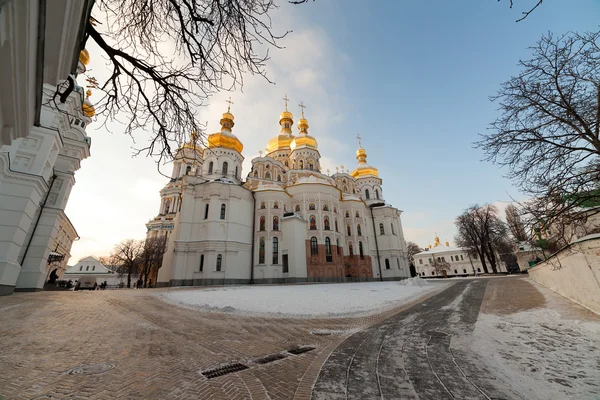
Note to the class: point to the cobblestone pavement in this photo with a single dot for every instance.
(443, 348)
(130, 345)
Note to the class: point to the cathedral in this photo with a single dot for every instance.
(286, 222)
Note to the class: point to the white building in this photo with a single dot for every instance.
(459, 261)
(43, 115)
(288, 222)
(91, 267)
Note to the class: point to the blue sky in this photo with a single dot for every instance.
(411, 77)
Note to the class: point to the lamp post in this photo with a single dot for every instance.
(371, 206)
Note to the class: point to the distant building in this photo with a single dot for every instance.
(459, 262)
(90, 266)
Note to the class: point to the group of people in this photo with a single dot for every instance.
(140, 284)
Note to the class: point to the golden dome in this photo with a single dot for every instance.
(363, 169)
(84, 57)
(279, 142)
(285, 115)
(225, 140)
(304, 140)
(87, 106)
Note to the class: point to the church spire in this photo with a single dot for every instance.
(286, 119)
(303, 123)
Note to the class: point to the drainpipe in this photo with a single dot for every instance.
(253, 239)
(37, 221)
(375, 235)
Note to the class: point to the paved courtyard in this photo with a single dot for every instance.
(131, 345)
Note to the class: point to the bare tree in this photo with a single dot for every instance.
(127, 256)
(153, 250)
(548, 134)
(169, 56)
(515, 223)
(412, 248)
(482, 233)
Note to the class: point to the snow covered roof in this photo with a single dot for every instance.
(88, 266)
(442, 249)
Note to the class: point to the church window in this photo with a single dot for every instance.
(311, 206)
(188, 169)
(93, 267)
(339, 248)
(367, 194)
(256, 173)
(275, 251)
(223, 207)
(206, 211)
(225, 168)
(314, 248)
(297, 208)
(81, 268)
(326, 224)
(275, 223)
(267, 166)
(336, 226)
(219, 262)
(301, 164)
(461, 257)
(420, 261)
(387, 263)
(278, 177)
(201, 262)
(313, 223)
(464, 271)
(276, 205)
(432, 272)
(236, 171)
(87, 268)
(261, 250)
(350, 249)
(347, 214)
(456, 271)
(357, 215)
(262, 205)
(349, 231)
(310, 165)
(286, 164)
(262, 223)
(429, 259)
(328, 257)
(210, 167)
(358, 230)
(381, 230)
(325, 207)
(360, 251)
(377, 194)
(392, 226)
(451, 258)
(267, 175)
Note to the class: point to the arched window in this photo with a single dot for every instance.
(392, 226)
(286, 164)
(377, 194)
(201, 262)
(262, 223)
(256, 172)
(206, 211)
(275, 223)
(187, 170)
(339, 248)
(278, 177)
(387, 264)
(328, 257)
(310, 165)
(336, 226)
(93, 267)
(381, 230)
(325, 207)
(301, 164)
(347, 214)
(276, 205)
(262, 205)
(225, 168)
(367, 194)
(210, 167)
(357, 215)
(326, 224)
(219, 262)
(81, 268)
(267, 175)
(350, 249)
(311, 206)
(313, 223)
(314, 248)
(358, 230)
(87, 268)
(360, 250)
(349, 231)
(297, 208)
(261, 250)
(275, 250)
(223, 211)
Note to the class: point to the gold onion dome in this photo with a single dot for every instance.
(363, 169)
(303, 139)
(193, 144)
(84, 57)
(285, 137)
(88, 107)
(225, 138)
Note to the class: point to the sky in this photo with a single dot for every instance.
(412, 78)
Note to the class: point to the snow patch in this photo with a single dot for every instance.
(416, 281)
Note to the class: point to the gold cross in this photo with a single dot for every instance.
(230, 103)
(285, 98)
(303, 107)
(358, 137)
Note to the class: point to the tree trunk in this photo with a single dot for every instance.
(492, 258)
(129, 277)
(481, 254)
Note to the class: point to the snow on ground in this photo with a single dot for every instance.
(542, 353)
(317, 300)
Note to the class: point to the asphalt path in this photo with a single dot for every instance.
(409, 355)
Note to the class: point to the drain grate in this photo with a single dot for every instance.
(300, 350)
(92, 369)
(270, 358)
(224, 370)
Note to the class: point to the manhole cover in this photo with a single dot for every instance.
(92, 369)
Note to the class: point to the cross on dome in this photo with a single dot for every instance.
(230, 103)
(285, 98)
(359, 138)
(301, 105)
